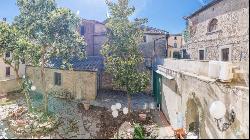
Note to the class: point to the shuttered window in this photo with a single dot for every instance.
(225, 54)
(7, 73)
(82, 30)
(58, 78)
(201, 54)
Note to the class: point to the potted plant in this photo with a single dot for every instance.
(86, 104)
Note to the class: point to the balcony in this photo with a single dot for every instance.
(226, 72)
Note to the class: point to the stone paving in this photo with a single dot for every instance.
(108, 98)
(76, 123)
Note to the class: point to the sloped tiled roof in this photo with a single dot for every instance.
(213, 2)
(92, 63)
(152, 30)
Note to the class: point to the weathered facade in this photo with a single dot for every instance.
(175, 43)
(218, 50)
(8, 81)
(79, 84)
(82, 82)
(94, 33)
(224, 24)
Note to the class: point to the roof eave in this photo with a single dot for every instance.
(203, 8)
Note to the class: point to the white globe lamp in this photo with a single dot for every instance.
(33, 88)
(217, 110)
(113, 107)
(118, 106)
(115, 113)
(125, 110)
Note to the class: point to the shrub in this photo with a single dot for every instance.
(138, 132)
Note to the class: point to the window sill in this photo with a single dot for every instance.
(213, 32)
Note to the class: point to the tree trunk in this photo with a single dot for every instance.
(28, 101)
(129, 104)
(44, 83)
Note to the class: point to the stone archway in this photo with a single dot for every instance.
(192, 117)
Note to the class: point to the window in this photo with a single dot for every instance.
(144, 38)
(212, 25)
(225, 54)
(58, 79)
(7, 73)
(7, 54)
(175, 38)
(201, 54)
(82, 30)
(175, 45)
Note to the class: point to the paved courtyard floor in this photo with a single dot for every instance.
(106, 98)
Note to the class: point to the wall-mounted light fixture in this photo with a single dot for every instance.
(218, 111)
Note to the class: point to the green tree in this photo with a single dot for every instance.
(121, 51)
(53, 31)
(12, 41)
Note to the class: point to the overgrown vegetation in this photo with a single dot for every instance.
(53, 32)
(138, 132)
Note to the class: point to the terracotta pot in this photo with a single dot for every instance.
(86, 106)
(142, 117)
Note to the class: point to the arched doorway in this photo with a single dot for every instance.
(192, 117)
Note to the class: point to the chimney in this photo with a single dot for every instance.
(4, 19)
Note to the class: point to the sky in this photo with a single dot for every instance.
(162, 14)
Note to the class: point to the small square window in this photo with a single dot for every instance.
(58, 78)
(7, 54)
(175, 38)
(225, 54)
(7, 73)
(144, 39)
(201, 54)
(82, 30)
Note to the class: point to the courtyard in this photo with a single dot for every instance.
(74, 122)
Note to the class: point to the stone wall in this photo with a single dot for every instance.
(81, 84)
(8, 86)
(94, 36)
(89, 36)
(192, 97)
(106, 81)
(232, 31)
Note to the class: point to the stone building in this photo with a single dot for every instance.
(8, 81)
(219, 31)
(153, 46)
(218, 70)
(82, 82)
(94, 33)
(175, 43)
